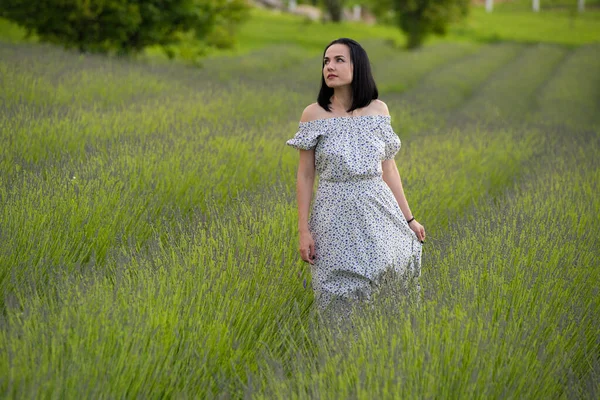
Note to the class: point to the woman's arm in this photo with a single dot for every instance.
(304, 188)
(391, 176)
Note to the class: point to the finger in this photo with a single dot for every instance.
(304, 255)
(419, 235)
(312, 251)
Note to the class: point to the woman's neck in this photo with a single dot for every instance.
(342, 99)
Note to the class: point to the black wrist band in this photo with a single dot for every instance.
(410, 220)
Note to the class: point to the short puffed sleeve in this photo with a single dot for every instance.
(306, 138)
(391, 140)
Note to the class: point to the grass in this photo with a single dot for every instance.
(564, 27)
(147, 224)
(523, 25)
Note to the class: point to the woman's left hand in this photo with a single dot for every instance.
(418, 229)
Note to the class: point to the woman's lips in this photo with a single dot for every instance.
(331, 76)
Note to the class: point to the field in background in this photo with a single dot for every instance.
(147, 222)
(510, 21)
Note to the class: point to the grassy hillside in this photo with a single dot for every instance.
(147, 223)
(510, 21)
(266, 28)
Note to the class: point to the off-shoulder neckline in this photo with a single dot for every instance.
(344, 117)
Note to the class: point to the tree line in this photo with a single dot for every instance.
(128, 26)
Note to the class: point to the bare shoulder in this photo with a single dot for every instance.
(311, 112)
(379, 107)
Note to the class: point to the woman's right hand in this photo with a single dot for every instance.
(307, 247)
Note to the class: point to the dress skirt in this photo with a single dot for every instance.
(360, 234)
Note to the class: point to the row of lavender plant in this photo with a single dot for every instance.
(148, 245)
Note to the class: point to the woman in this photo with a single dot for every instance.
(361, 225)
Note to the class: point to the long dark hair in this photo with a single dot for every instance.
(363, 85)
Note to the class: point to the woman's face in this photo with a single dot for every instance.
(337, 66)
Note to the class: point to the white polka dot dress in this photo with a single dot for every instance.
(358, 227)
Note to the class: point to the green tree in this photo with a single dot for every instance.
(335, 8)
(420, 18)
(123, 26)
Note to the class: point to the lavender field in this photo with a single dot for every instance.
(148, 244)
